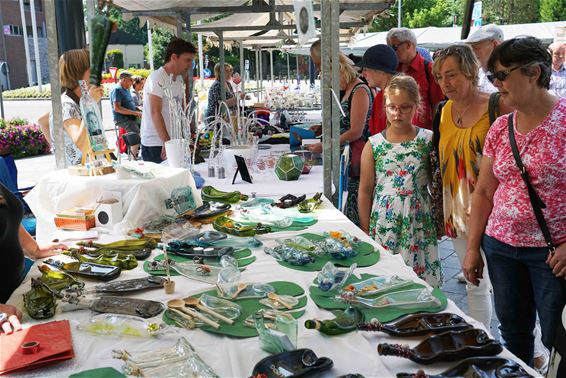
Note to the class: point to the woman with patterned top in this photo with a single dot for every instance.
(458, 143)
(74, 65)
(354, 130)
(214, 93)
(395, 181)
(527, 277)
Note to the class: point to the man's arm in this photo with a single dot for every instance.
(156, 103)
(120, 109)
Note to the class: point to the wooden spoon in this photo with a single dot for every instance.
(277, 298)
(179, 304)
(241, 287)
(195, 302)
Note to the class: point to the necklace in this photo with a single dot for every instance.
(459, 116)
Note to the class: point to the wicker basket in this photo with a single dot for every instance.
(75, 224)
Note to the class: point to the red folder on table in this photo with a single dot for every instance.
(54, 344)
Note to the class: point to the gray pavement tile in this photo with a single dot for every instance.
(450, 272)
(452, 261)
(453, 286)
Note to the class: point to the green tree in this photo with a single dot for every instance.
(552, 10)
(115, 58)
(512, 11)
(131, 27)
(160, 37)
(421, 13)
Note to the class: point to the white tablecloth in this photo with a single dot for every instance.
(230, 357)
(142, 199)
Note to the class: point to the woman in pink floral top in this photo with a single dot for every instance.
(526, 278)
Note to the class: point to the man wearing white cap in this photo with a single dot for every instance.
(483, 41)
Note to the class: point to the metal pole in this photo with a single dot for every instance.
(200, 59)
(36, 46)
(399, 14)
(334, 40)
(257, 73)
(242, 69)
(222, 78)
(260, 74)
(179, 32)
(53, 60)
(288, 70)
(191, 71)
(150, 46)
(326, 78)
(2, 102)
(271, 66)
(26, 46)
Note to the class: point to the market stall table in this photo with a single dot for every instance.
(354, 352)
(142, 199)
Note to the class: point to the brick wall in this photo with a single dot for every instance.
(14, 44)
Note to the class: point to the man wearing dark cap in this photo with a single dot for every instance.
(379, 64)
(124, 110)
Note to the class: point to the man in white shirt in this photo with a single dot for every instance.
(483, 41)
(155, 123)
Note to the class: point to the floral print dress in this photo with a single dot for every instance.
(401, 219)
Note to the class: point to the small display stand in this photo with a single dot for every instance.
(91, 165)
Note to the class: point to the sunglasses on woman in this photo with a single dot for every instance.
(500, 75)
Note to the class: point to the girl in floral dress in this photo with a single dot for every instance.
(394, 201)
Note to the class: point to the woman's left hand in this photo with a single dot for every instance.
(49, 250)
(316, 147)
(557, 261)
(473, 267)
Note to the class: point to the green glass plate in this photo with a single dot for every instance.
(251, 306)
(367, 256)
(324, 299)
(243, 256)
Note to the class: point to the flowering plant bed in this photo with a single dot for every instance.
(22, 140)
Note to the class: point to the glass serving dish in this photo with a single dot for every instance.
(339, 245)
(331, 278)
(122, 325)
(407, 299)
(244, 290)
(210, 209)
(276, 304)
(224, 307)
(210, 194)
(377, 286)
(179, 248)
(180, 360)
(230, 226)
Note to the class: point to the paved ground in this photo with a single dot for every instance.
(32, 169)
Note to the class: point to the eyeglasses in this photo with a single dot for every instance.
(403, 109)
(500, 75)
(395, 47)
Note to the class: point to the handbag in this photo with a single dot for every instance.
(536, 201)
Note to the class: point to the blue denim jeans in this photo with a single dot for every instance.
(524, 285)
(152, 153)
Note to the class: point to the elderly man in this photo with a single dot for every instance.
(124, 111)
(404, 42)
(483, 41)
(558, 78)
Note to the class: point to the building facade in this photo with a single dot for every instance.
(12, 48)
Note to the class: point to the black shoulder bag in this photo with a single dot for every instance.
(536, 201)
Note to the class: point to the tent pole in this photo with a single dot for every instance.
(242, 69)
(36, 46)
(150, 46)
(271, 66)
(222, 70)
(200, 59)
(53, 60)
(26, 44)
(288, 70)
(260, 74)
(326, 51)
(257, 73)
(334, 40)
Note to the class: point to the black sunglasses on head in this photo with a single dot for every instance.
(500, 75)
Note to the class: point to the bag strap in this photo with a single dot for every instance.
(427, 74)
(493, 107)
(363, 85)
(536, 201)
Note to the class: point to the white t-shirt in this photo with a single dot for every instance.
(155, 85)
(484, 85)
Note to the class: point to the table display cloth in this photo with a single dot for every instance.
(354, 352)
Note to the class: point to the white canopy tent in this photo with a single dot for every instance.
(436, 38)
